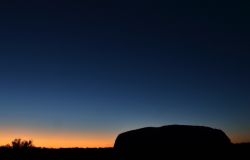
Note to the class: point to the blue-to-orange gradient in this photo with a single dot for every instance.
(76, 74)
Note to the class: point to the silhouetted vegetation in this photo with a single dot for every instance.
(21, 150)
(18, 144)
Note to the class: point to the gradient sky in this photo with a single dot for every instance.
(75, 74)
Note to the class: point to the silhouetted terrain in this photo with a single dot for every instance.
(167, 142)
(172, 141)
(57, 154)
(238, 151)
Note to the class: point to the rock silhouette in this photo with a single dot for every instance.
(175, 141)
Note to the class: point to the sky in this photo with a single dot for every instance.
(76, 74)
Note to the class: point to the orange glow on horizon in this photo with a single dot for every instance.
(60, 140)
(71, 139)
(240, 138)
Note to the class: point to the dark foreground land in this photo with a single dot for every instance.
(238, 151)
(57, 154)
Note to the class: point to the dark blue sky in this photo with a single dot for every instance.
(110, 66)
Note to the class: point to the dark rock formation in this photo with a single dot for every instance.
(171, 141)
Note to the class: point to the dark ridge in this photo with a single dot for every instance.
(171, 141)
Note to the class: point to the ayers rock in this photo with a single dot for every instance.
(171, 141)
